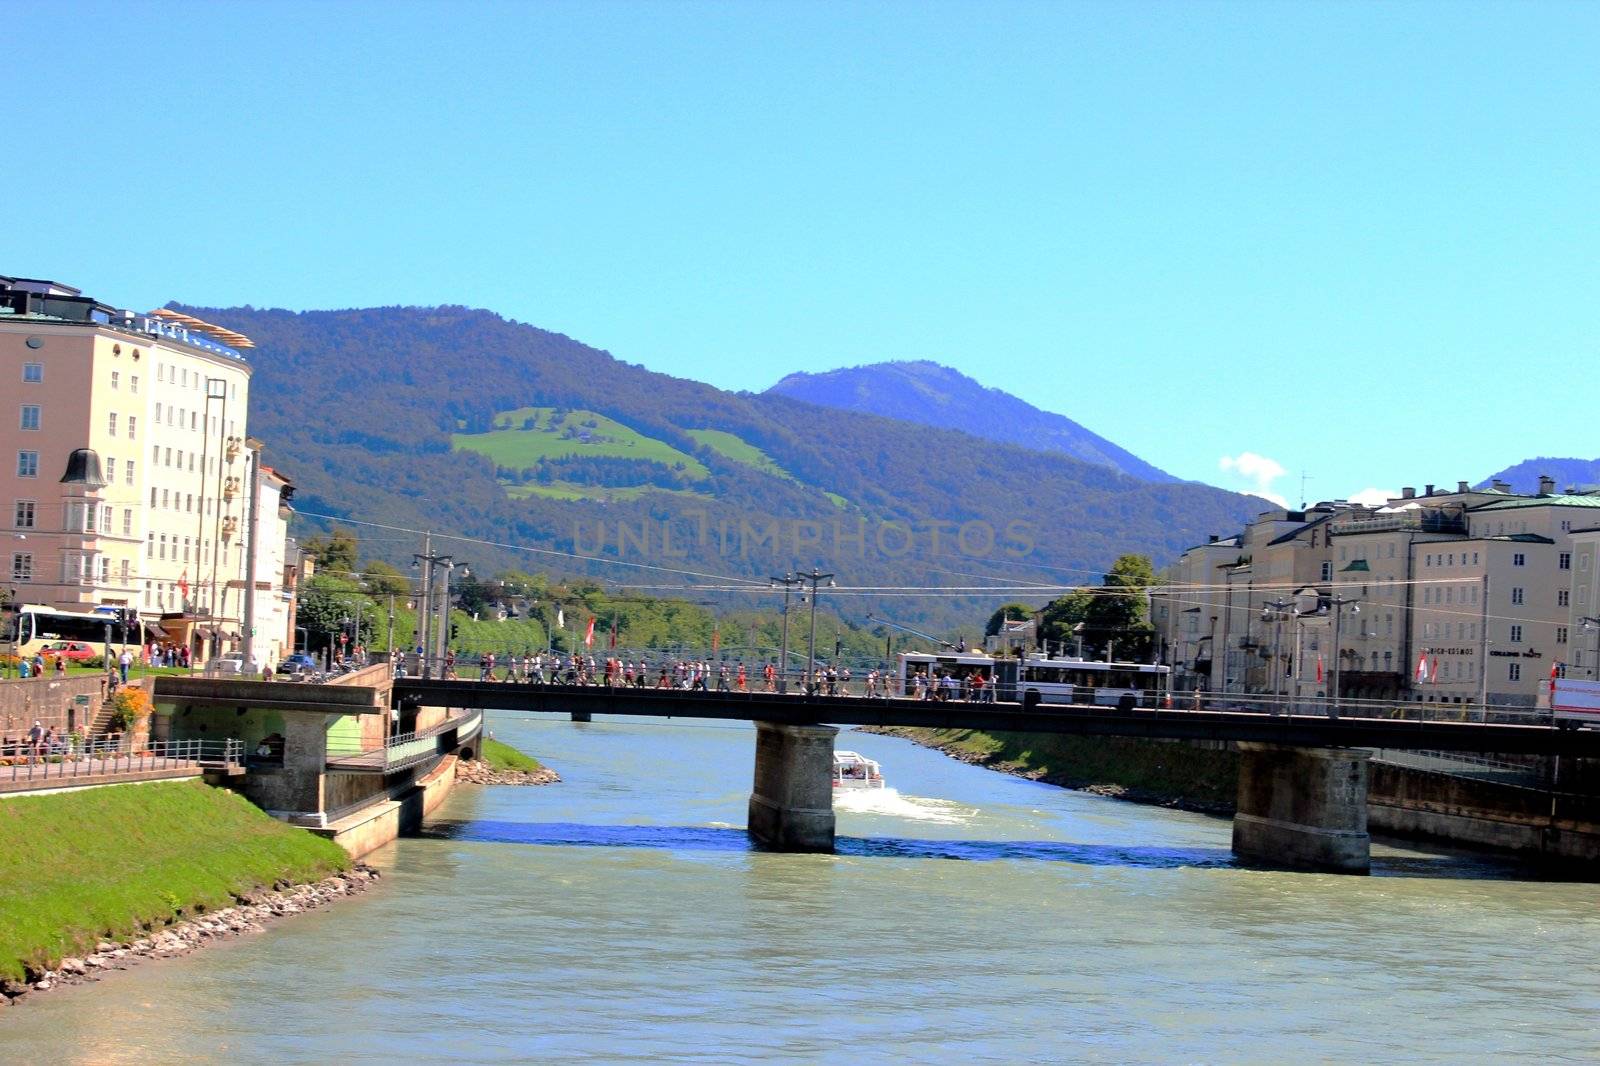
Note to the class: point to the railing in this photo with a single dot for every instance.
(104, 758)
(1462, 764)
(404, 750)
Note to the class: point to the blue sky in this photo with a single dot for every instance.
(1358, 240)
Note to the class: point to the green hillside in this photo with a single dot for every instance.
(692, 474)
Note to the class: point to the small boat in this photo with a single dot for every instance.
(851, 770)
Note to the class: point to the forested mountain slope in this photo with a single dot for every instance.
(458, 420)
(939, 396)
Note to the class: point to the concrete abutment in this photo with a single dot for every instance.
(791, 799)
(1303, 808)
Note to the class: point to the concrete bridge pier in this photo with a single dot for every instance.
(1304, 808)
(791, 800)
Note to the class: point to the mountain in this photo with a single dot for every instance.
(935, 395)
(463, 422)
(1524, 476)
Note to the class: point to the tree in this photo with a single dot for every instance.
(1062, 617)
(383, 580)
(1112, 619)
(325, 602)
(336, 554)
(1017, 612)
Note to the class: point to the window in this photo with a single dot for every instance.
(169, 457)
(153, 496)
(133, 382)
(30, 416)
(194, 420)
(124, 574)
(111, 470)
(158, 412)
(162, 551)
(1516, 634)
(111, 423)
(114, 379)
(24, 514)
(150, 546)
(127, 521)
(1514, 672)
(1561, 634)
(32, 372)
(1564, 560)
(1327, 571)
(165, 499)
(127, 473)
(27, 464)
(22, 566)
(1516, 596)
(1518, 559)
(133, 424)
(1562, 596)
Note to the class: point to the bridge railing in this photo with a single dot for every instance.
(404, 750)
(105, 757)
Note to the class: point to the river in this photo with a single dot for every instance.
(968, 916)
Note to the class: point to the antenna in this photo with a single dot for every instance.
(1304, 477)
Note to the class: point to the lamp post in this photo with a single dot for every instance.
(1338, 603)
(788, 581)
(1277, 612)
(1587, 624)
(816, 578)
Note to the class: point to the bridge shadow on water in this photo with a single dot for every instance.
(733, 839)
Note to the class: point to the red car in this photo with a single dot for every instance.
(72, 650)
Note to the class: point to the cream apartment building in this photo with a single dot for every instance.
(1583, 629)
(124, 465)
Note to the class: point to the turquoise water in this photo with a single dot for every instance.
(968, 916)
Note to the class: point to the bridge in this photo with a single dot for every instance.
(1302, 778)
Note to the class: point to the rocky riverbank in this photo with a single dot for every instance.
(250, 914)
(1162, 774)
(477, 772)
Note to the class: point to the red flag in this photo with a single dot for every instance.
(183, 583)
(588, 637)
(1555, 669)
(1422, 667)
(1319, 669)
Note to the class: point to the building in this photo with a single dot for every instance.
(1437, 596)
(125, 468)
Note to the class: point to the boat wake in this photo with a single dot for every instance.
(889, 802)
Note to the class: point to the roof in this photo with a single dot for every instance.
(226, 336)
(1553, 500)
(1358, 564)
(1293, 533)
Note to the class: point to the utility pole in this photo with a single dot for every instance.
(391, 628)
(788, 581)
(425, 601)
(816, 578)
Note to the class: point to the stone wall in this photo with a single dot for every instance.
(48, 700)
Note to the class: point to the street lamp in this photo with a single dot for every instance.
(1338, 603)
(788, 581)
(1586, 623)
(1277, 612)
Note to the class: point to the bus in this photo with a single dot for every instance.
(1086, 681)
(1046, 680)
(29, 629)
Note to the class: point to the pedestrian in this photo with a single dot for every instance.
(35, 738)
(124, 661)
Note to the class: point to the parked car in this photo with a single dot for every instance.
(231, 663)
(296, 663)
(71, 650)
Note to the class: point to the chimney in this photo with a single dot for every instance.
(1547, 485)
(1212, 539)
(1501, 486)
(1428, 491)
(1408, 493)
(1461, 486)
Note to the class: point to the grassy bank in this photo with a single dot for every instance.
(502, 757)
(1146, 771)
(111, 862)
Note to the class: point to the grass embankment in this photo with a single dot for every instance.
(1146, 771)
(500, 756)
(112, 862)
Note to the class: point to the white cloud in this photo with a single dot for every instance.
(1373, 497)
(1259, 471)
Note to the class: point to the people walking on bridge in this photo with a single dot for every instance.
(722, 678)
(743, 681)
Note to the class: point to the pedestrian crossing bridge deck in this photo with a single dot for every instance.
(1298, 731)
